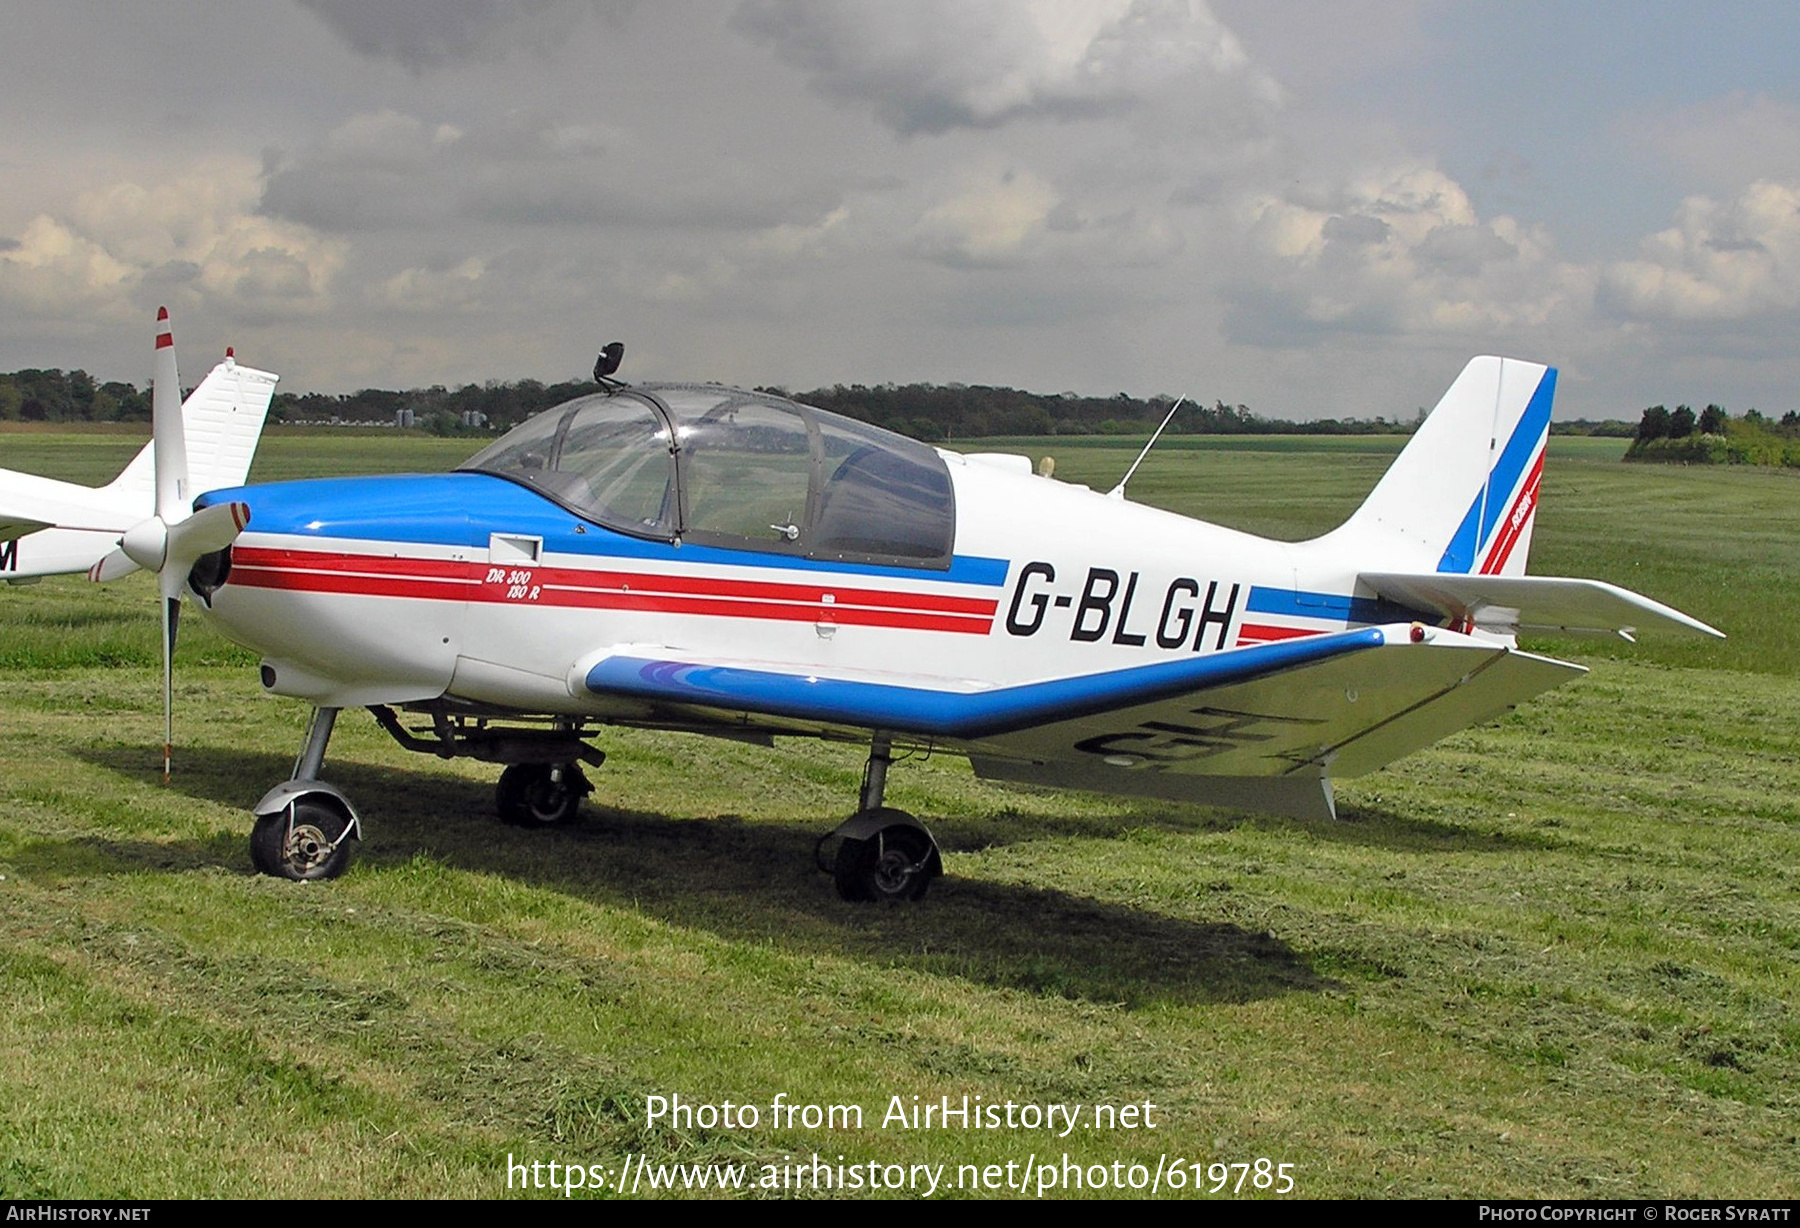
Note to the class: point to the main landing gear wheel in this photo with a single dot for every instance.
(306, 841)
(882, 854)
(540, 794)
(894, 865)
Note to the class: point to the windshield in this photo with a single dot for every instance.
(606, 457)
(744, 471)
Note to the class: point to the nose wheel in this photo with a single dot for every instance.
(306, 830)
(306, 841)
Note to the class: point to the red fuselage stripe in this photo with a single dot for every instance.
(450, 580)
(581, 579)
(1258, 633)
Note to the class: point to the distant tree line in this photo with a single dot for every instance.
(940, 412)
(932, 412)
(440, 410)
(1714, 437)
(32, 395)
(1603, 428)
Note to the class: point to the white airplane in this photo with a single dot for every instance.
(45, 524)
(700, 559)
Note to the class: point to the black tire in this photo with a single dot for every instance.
(527, 796)
(891, 867)
(308, 846)
(256, 855)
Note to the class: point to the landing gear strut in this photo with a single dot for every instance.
(304, 827)
(543, 783)
(883, 854)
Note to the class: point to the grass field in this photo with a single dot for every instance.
(1554, 956)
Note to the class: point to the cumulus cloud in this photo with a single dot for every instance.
(430, 290)
(429, 33)
(1722, 260)
(790, 241)
(370, 172)
(52, 270)
(1396, 250)
(991, 224)
(199, 235)
(935, 65)
(1014, 217)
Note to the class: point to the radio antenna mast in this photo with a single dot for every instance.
(1118, 492)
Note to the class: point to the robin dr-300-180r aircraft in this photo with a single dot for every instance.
(694, 558)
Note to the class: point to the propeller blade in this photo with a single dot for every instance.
(110, 568)
(172, 494)
(158, 546)
(171, 620)
(209, 529)
(172, 540)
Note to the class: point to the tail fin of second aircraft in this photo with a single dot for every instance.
(50, 527)
(1461, 498)
(223, 420)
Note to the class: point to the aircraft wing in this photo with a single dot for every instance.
(1263, 727)
(1533, 603)
(14, 524)
(29, 503)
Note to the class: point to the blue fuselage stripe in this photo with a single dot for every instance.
(1289, 603)
(946, 714)
(465, 509)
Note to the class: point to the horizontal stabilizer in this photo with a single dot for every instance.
(14, 525)
(1509, 604)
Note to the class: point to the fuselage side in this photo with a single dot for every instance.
(466, 585)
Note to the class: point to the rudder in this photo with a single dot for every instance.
(1462, 495)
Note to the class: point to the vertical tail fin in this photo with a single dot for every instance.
(72, 528)
(223, 419)
(1462, 496)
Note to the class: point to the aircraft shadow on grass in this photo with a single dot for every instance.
(1358, 824)
(743, 881)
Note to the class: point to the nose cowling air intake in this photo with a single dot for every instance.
(209, 573)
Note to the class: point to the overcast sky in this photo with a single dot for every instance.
(1310, 208)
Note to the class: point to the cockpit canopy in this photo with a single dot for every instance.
(716, 466)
